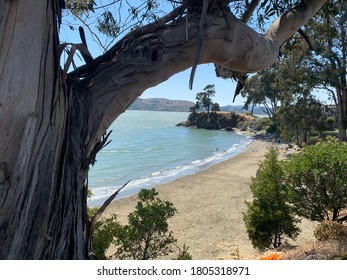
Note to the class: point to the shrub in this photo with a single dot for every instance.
(103, 235)
(184, 254)
(147, 235)
(330, 230)
(318, 180)
(269, 216)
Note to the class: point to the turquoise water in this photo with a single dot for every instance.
(149, 149)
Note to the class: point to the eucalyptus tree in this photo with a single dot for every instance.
(328, 34)
(53, 122)
(260, 89)
(301, 118)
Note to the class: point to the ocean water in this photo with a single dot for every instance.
(149, 149)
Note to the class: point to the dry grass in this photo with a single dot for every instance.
(320, 250)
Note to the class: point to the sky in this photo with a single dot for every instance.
(177, 87)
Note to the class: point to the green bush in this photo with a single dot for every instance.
(146, 236)
(317, 178)
(184, 254)
(269, 216)
(103, 235)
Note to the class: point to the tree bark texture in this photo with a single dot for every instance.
(41, 178)
(51, 128)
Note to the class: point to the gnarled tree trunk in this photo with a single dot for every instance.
(50, 128)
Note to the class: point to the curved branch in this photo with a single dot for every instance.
(153, 54)
(107, 56)
(289, 23)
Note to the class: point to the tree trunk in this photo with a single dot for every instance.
(342, 114)
(42, 194)
(50, 129)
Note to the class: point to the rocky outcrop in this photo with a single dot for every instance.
(218, 120)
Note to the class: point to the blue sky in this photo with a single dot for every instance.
(177, 87)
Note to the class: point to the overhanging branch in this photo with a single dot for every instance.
(148, 57)
(107, 56)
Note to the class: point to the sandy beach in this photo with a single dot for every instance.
(210, 206)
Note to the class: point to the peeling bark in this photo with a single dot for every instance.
(50, 127)
(42, 193)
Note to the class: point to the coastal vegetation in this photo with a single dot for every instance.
(317, 178)
(309, 66)
(204, 100)
(285, 92)
(310, 184)
(145, 237)
(161, 104)
(55, 115)
(270, 217)
(207, 115)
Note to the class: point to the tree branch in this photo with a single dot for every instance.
(250, 8)
(108, 55)
(200, 41)
(156, 52)
(289, 23)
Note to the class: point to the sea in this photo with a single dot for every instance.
(148, 149)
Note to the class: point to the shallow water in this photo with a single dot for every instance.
(149, 149)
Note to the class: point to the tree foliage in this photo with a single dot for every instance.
(204, 99)
(317, 178)
(269, 217)
(260, 89)
(301, 119)
(329, 58)
(284, 92)
(104, 232)
(147, 235)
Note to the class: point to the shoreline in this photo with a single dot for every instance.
(188, 169)
(210, 205)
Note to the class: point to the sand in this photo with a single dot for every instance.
(210, 207)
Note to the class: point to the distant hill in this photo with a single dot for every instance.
(161, 104)
(238, 109)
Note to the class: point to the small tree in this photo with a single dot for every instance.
(215, 107)
(260, 90)
(204, 98)
(302, 118)
(147, 235)
(269, 216)
(318, 180)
